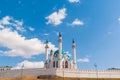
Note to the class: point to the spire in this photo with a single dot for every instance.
(60, 34)
(51, 51)
(46, 44)
(73, 41)
(46, 41)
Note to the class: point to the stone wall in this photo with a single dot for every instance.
(62, 73)
(88, 73)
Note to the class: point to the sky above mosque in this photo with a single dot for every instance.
(25, 25)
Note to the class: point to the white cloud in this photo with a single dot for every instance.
(31, 28)
(83, 60)
(5, 20)
(74, 1)
(19, 45)
(27, 64)
(10, 22)
(118, 19)
(1, 27)
(77, 22)
(56, 17)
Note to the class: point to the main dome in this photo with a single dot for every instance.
(57, 52)
(64, 55)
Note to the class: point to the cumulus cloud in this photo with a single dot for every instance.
(31, 28)
(28, 64)
(77, 22)
(10, 22)
(19, 45)
(74, 1)
(56, 17)
(83, 60)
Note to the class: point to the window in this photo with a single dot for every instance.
(66, 64)
(54, 64)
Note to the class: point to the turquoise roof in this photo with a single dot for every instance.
(57, 51)
(64, 55)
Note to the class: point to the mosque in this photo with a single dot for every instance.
(59, 63)
(60, 58)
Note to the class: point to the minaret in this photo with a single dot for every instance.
(74, 53)
(46, 52)
(60, 45)
(51, 55)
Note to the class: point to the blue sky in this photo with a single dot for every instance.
(94, 24)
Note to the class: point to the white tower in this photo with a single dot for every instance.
(51, 55)
(46, 52)
(74, 53)
(60, 45)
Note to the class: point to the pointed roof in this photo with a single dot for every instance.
(73, 41)
(60, 34)
(51, 51)
(46, 41)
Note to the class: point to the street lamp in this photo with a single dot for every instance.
(95, 65)
(22, 71)
(63, 68)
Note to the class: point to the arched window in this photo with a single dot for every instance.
(66, 64)
(54, 64)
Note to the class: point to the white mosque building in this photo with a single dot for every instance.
(60, 58)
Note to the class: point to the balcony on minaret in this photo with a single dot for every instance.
(60, 40)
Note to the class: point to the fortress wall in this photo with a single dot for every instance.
(88, 73)
(26, 72)
(62, 73)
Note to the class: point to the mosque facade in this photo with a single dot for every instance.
(60, 58)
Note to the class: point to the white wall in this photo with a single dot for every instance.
(88, 73)
(62, 72)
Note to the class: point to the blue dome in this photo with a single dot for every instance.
(57, 51)
(64, 55)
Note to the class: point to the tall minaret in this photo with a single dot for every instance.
(46, 52)
(74, 53)
(60, 45)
